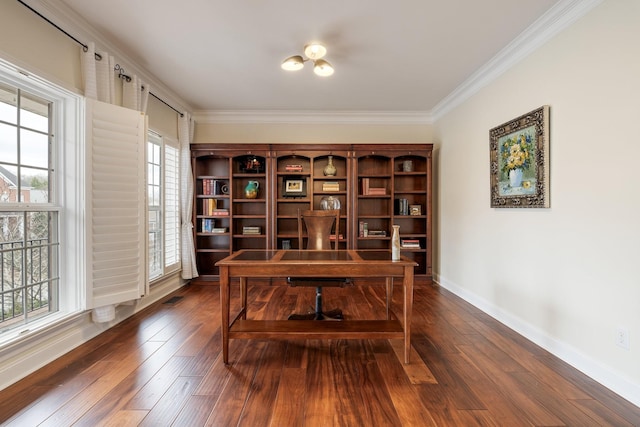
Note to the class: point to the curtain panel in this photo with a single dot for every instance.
(185, 137)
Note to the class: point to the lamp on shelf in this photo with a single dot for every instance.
(314, 52)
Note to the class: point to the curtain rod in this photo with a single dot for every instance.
(121, 72)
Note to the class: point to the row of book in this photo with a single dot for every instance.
(214, 187)
(367, 190)
(210, 208)
(364, 231)
(208, 226)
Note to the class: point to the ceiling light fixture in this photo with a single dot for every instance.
(314, 52)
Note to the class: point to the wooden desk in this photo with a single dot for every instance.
(331, 263)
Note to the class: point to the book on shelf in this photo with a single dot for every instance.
(402, 206)
(330, 186)
(251, 230)
(220, 212)
(293, 168)
(207, 225)
(367, 190)
(208, 206)
(410, 243)
(365, 186)
(333, 237)
(214, 187)
(377, 233)
(363, 229)
(377, 191)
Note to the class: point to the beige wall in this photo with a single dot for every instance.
(161, 118)
(311, 133)
(29, 41)
(567, 276)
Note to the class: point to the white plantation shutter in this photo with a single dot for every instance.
(116, 205)
(171, 206)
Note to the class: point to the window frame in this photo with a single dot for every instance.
(164, 143)
(66, 186)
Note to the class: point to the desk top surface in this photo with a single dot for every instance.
(306, 256)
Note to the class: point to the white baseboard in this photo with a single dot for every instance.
(43, 347)
(601, 373)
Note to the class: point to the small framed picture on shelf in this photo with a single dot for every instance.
(294, 187)
(415, 210)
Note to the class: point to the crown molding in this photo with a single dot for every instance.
(66, 18)
(315, 117)
(556, 19)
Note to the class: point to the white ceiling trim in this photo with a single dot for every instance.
(317, 117)
(556, 19)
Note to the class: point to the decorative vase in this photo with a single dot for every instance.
(395, 243)
(515, 177)
(328, 203)
(329, 170)
(251, 190)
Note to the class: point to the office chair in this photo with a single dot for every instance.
(318, 225)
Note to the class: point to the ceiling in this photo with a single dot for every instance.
(389, 57)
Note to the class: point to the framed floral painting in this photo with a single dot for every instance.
(519, 161)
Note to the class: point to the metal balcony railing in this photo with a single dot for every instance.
(27, 284)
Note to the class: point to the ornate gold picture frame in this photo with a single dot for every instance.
(519, 161)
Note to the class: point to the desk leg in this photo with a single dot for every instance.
(243, 296)
(389, 284)
(408, 308)
(224, 309)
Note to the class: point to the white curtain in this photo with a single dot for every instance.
(135, 94)
(100, 81)
(99, 76)
(185, 137)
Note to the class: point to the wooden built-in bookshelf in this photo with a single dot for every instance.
(371, 183)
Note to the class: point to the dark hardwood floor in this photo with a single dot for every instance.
(163, 367)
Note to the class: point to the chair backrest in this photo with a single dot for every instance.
(318, 225)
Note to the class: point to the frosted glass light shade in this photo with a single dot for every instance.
(323, 68)
(315, 51)
(293, 63)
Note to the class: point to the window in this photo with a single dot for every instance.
(34, 117)
(163, 174)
